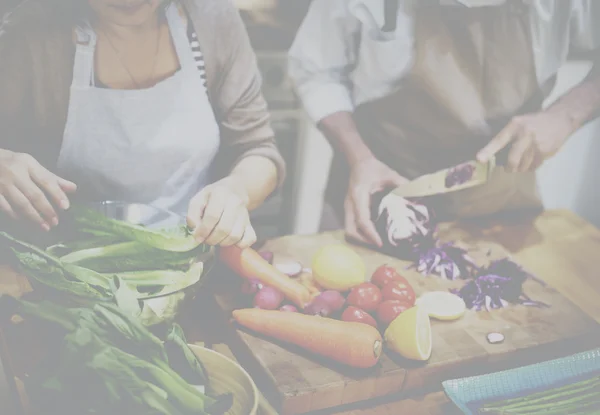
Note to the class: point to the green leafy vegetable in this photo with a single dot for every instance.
(89, 242)
(51, 271)
(132, 256)
(176, 240)
(55, 277)
(126, 297)
(108, 363)
(129, 272)
(183, 359)
(156, 278)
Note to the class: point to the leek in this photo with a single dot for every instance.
(177, 240)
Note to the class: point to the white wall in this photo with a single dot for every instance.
(568, 181)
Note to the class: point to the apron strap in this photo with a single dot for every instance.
(180, 38)
(83, 67)
(391, 15)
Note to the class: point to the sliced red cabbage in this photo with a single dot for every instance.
(444, 260)
(496, 286)
(459, 175)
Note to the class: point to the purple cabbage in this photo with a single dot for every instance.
(403, 243)
(459, 175)
(421, 246)
(490, 287)
(443, 260)
(496, 286)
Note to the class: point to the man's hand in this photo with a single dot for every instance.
(367, 177)
(533, 138)
(219, 215)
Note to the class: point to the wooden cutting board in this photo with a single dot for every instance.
(557, 247)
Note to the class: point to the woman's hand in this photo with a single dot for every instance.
(533, 138)
(219, 215)
(367, 177)
(28, 190)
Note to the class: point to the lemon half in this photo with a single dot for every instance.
(409, 334)
(442, 305)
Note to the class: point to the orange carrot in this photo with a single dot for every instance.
(249, 264)
(307, 280)
(354, 344)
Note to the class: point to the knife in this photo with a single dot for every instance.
(462, 176)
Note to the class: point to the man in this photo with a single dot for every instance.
(403, 88)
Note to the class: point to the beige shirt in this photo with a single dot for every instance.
(36, 70)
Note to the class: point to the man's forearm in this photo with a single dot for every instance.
(341, 131)
(582, 103)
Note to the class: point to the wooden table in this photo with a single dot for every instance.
(557, 246)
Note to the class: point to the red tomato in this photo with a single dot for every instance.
(357, 315)
(390, 309)
(399, 290)
(365, 296)
(385, 274)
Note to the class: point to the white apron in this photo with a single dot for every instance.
(153, 145)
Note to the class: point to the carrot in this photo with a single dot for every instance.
(354, 344)
(307, 280)
(249, 264)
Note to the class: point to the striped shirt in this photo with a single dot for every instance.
(197, 53)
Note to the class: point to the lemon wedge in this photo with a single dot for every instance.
(442, 305)
(409, 334)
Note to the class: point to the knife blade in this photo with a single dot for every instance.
(463, 176)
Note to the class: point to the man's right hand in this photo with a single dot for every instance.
(26, 186)
(367, 177)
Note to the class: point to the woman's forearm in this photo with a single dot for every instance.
(341, 131)
(582, 103)
(257, 178)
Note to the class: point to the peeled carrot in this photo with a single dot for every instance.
(353, 344)
(307, 280)
(249, 264)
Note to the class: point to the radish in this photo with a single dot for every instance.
(319, 307)
(267, 256)
(335, 300)
(291, 269)
(326, 303)
(268, 299)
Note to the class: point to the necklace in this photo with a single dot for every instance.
(158, 39)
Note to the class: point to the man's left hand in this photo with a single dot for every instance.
(533, 138)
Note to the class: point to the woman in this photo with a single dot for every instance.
(147, 101)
